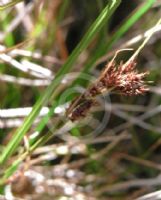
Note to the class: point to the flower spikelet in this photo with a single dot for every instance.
(123, 79)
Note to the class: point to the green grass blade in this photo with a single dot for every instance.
(93, 30)
(128, 23)
(10, 4)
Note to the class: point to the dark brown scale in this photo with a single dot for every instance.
(92, 92)
(81, 110)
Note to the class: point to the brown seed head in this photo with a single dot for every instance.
(126, 81)
(122, 79)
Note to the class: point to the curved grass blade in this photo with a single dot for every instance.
(91, 33)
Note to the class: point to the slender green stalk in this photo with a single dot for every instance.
(16, 163)
(91, 33)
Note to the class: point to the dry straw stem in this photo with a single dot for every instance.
(126, 185)
(132, 41)
(151, 32)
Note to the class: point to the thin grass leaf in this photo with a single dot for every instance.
(10, 4)
(91, 33)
